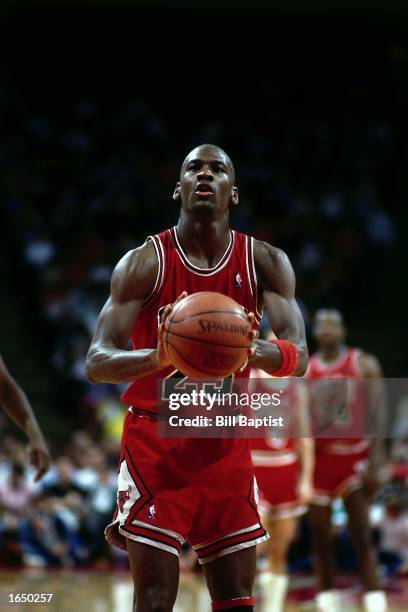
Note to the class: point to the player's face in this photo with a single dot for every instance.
(329, 331)
(206, 181)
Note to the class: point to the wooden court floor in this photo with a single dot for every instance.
(90, 591)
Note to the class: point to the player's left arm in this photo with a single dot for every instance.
(276, 284)
(371, 369)
(18, 408)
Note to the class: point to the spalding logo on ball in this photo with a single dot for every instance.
(207, 335)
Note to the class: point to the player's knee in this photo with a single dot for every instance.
(154, 599)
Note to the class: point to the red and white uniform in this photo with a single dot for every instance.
(171, 490)
(341, 460)
(276, 461)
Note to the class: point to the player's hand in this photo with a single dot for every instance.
(39, 457)
(305, 491)
(162, 357)
(253, 336)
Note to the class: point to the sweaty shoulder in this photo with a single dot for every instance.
(135, 275)
(273, 269)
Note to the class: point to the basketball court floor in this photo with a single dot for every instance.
(83, 591)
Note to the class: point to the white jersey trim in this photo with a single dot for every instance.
(273, 459)
(258, 312)
(168, 532)
(204, 271)
(158, 247)
(326, 366)
(247, 266)
(153, 543)
(227, 535)
(339, 448)
(232, 549)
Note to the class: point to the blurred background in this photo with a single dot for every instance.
(99, 104)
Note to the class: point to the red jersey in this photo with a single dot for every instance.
(234, 276)
(352, 418)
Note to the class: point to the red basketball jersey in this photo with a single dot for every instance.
(353, 415)
(234, 276)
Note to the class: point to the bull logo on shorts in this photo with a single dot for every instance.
(123, 497)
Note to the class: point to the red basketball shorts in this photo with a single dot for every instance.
(173, 490)
(277, 478)
(338, 472)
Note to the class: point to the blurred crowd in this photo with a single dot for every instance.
(58, 522)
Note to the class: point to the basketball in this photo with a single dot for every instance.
(207, 334)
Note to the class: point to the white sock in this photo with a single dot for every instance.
(375, 601)
(328, 601)
(274, 588)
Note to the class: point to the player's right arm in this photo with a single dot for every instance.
(108, 361)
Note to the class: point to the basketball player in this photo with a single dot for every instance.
(16, 405)
(202, 490)
(345, 467)
(284, 473)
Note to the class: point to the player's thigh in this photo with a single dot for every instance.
(231, 575)
(357, 508)
(155, 575)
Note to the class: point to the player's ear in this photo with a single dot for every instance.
(176, 193)
(234, 196)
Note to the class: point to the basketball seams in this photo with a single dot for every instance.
(207, 342)
(199, 373)
(208, 312)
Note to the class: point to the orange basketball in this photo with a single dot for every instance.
(207, 335)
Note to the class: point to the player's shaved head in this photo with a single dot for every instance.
(213, 150)
(328, 313)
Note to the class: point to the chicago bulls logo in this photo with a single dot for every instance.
(123, 497)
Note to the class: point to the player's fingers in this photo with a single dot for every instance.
(251, 317)
(166, 312)
(180, 297)
(251, 353)
(244, 365)
(254, 334)
(43, 464)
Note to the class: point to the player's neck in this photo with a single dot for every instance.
(202, 238)
(331, 353)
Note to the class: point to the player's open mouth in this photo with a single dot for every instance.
(204, 190)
